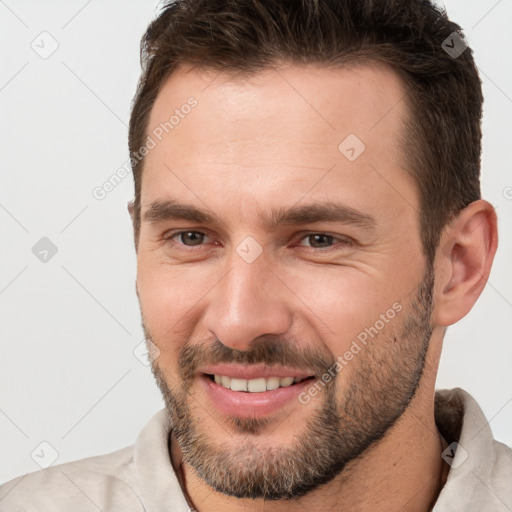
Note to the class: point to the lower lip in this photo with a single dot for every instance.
(252, 405)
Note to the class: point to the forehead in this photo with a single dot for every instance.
(284, 127)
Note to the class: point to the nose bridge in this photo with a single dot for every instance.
(248, 302)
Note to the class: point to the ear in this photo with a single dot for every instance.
(463, 261)
(131, 211)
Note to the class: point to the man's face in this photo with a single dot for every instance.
(307, 266)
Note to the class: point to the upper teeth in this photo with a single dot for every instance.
(255, 385)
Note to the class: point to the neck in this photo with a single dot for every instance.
(403, 471)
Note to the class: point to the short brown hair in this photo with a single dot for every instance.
(441, 139)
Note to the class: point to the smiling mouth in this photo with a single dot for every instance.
(258, 385)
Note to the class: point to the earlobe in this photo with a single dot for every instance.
(130, 208)
(463, 261)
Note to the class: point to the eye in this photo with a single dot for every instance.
(188, 238)
(323, 240)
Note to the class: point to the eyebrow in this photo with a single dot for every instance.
(170, 209)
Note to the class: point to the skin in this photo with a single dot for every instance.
(272, 141)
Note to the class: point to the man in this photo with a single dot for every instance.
(307, 222)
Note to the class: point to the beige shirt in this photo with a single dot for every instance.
(141, 478)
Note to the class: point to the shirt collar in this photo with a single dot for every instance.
(458, 417)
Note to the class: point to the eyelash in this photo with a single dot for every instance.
(345, 241)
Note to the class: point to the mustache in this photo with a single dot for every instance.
(266, 349)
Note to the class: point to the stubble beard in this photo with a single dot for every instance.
(380, 390)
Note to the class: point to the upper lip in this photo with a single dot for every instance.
(255, 371)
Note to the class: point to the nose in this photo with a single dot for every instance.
(248, 302)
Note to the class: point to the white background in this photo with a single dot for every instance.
(68, 375)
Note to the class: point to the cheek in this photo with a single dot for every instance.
(342, 301)
(164, 313)
(170, 296)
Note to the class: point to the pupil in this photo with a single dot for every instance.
(193, 236)
(322, 239)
